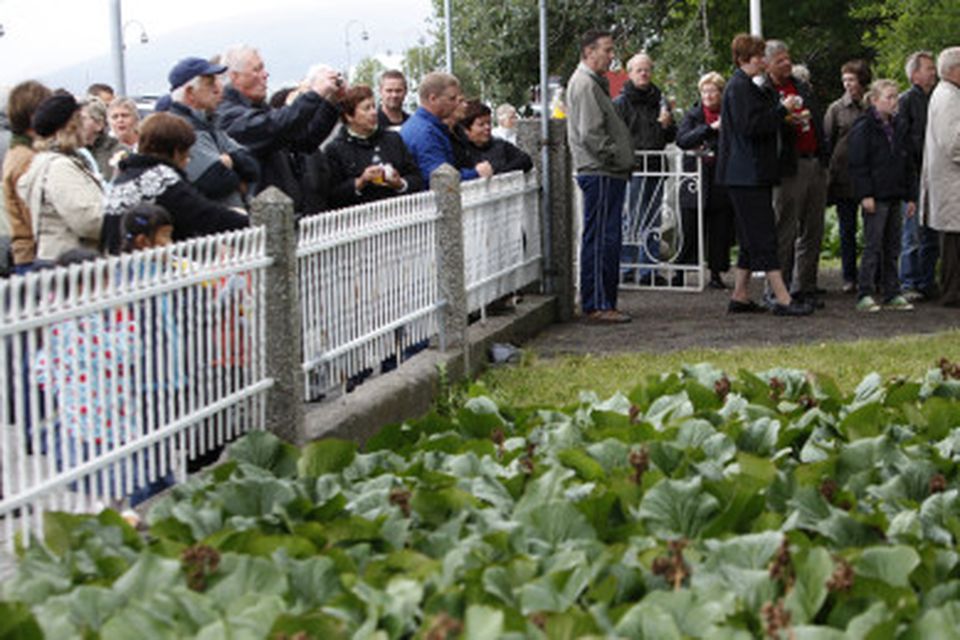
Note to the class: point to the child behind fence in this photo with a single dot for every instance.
(150, 226)
(86, 365)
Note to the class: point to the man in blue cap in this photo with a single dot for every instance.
(219, 167)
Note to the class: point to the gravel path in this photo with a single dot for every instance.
(668, 321)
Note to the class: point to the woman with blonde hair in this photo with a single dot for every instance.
(60, 190)
(699, 133)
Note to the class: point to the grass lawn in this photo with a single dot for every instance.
(557, 381)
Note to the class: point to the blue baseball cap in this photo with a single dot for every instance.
(189, 68)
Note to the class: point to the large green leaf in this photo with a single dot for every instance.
(645, 621)
(151, 574)
(264, 450)
(813, 569)
(892, 565)
(556, 522)
(677, 508)
(18, 623)
(939, 517)
(483, 623)
(255, 497)
(554, 592)
(240, 576)
(865, 422)
(585, 466)
(329, 455)
(942, 623)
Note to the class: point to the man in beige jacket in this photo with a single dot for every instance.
(602, 153)
(940, 179)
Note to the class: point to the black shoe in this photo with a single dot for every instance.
(811, 299)
(929, 293)
(716, 282)
(736, 306)
(795, 308)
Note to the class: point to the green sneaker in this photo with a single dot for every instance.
(898, 303)
(868, 304)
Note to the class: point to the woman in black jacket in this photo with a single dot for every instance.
(747, 165)
(156, 174)
(699, 132)
(481, 145)
(366, 162)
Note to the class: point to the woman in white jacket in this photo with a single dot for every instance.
(65, 197)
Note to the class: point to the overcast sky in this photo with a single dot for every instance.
(67, 42)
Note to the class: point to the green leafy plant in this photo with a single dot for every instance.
(700, 504)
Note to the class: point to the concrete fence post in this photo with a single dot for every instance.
(285, 416)
(445, 184)
(560, 272)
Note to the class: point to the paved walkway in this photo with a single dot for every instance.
(667, 321)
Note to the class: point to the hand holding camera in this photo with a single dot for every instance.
(328, 83)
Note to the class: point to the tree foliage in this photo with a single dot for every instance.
(900, 27)
(496, 44)
(367, 71)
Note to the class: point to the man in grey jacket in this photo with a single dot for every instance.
(219, 168)
(602, 153)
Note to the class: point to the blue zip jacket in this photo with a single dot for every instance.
(428, 140)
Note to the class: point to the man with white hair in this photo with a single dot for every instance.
(920, 244)
(219, 168)
(275, 135)
(940, 178)
(648, 115)
(799, 201)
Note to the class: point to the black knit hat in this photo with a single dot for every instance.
(53, 113)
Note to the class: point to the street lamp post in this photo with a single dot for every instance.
(144, 39)
(346, 36)
(116, 47)
(756, 19)
(117, 29)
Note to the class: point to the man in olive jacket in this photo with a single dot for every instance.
(602, 153)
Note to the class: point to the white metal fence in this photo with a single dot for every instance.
(501, 236)
(663, 229)
(663, 232)
(120, 370)
(369, 292)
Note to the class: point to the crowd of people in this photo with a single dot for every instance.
(76, 165)
(772, 161)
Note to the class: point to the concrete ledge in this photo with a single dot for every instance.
(410, 391)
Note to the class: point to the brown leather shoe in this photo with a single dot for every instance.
(607, 316)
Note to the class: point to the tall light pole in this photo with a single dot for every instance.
(346, 36)
(547, 198)
(448, 34)
(116, 48)
(756, 19)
